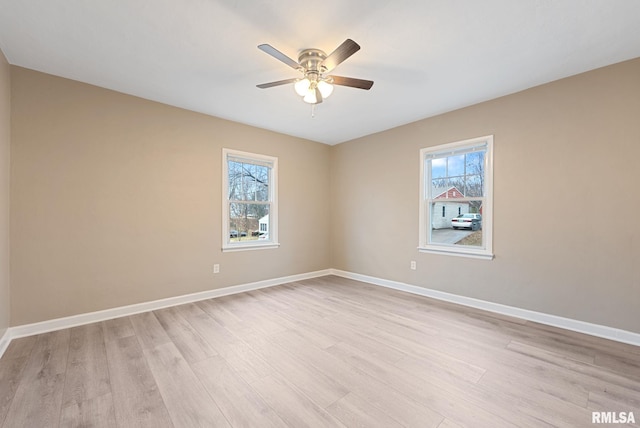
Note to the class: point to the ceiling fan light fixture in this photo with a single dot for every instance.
(313, 91)
(325, 88)
(311, 97)
(302, 86)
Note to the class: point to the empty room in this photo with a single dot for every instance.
(342, 214)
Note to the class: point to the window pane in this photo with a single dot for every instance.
(248, 182)
(235, 182)
(475, 163)
(438, 186)
(455, 165)
(262, 183)
(461, 224)
(456, 187)
(444, 188)
(248, 221)
(474, 186)
(455, 176)
(438, 168)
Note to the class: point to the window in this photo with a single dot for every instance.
(250, 210)
(457, 176)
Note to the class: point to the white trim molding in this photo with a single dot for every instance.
(5, 339)
(597, 330)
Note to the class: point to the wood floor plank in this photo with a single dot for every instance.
(191, 345)
(148, 330)
(218, 337)
(504, 360)
(253, 313)
(324, 331)
(10, 377)
(614, 401)
(442, 363)
(320, 387)
(12, 365)
(293, 406)
(430, 388)
(20, 347)
(397, 405)
(590, 377)
(236, 352)
(311, 325)
(38, 399)
(618, 363)
(219, 312)
(525, 380)
(136, 399)
(187, 401)
(94, 412)
(87, 371)
(291, 294)
(353, 411)
(269, 302)
(529, 399)
(238, 401)
(448, 423)
(117, 328)
(249, 365)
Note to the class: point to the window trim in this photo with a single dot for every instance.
(424, 245)
(227, 245)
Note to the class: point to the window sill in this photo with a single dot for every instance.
(457, 252)
(248, 247)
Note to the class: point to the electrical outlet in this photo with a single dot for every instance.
(216, 268)
(413, 265)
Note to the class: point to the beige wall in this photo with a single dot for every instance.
(5, 136)
(117, 200)
(566, 236)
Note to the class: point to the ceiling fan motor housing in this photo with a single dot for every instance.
(310, 59)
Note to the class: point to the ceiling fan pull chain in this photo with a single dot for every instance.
(313, 111)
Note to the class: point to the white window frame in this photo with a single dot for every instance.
(425, 245)
(272, 242)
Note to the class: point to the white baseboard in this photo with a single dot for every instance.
(88, 318)
(566, 323)
(5, 339)
(107, 314)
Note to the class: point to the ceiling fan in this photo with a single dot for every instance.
(315, 85)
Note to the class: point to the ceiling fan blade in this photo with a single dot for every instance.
(278, 83)
(342, 52)
(351, 82)
(268, 49)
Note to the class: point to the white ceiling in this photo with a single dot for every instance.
(425, 56)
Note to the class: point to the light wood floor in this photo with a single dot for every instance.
(323, 352)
